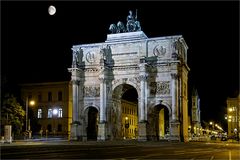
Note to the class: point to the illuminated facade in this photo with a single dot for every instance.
(196, 114)
(52, 110)
(154, 69)
(233, 114)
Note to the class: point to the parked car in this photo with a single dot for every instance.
(224, 138)
(213, 137)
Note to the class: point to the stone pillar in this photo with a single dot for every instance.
(174, 97)
(103, 101)
(175, 125)
(142, 127)
(143, 89)
(75, 126)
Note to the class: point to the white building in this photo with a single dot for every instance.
(155, 68)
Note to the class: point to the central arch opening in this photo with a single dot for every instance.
(125, 99)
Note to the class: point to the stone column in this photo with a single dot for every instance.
(175, 125)
(142, 97)
(103, 100)
(142, 135)
(75, 132)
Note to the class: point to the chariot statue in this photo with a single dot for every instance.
(132, 25)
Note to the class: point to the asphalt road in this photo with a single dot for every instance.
(120, 150)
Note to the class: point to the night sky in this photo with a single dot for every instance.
(36, 47)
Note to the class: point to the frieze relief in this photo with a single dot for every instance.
(92, 91)
(161, 88)
(125, 68)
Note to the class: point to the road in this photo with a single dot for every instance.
(120, 150)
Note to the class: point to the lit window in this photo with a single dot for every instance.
(60, 112)
(50, 113)
(55, 111)
(39, 113)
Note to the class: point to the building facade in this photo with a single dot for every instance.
(233, 114)
(155, 68)
(52, 109)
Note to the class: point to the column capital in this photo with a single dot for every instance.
(102, 79)
(143, 77)
(75, 82)
(174, 75)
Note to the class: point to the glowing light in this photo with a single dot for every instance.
(211, 123)
(126, 118)
(230, 109)
(32, 103)
(55, 111)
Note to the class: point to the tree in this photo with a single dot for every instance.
(12, 113)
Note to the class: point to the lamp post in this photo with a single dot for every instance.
(212, 126)
(28, 127)
(126, 126)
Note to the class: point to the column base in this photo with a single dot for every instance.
(75, 131)
(142, 131)
(175, 131)
(102, 131)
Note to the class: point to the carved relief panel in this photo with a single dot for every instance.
(160, 88)
(91, 91)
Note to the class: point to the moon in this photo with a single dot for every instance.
(51, 10)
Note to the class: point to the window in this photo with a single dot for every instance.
(29, 96)
(60, 112)
(50, 113)
(59, 128)
(39, 98)
(59, 96)
(49, 96)
(39, 113)
(49, 128)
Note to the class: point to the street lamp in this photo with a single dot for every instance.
(28, 127)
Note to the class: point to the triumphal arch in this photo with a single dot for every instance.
(130, 86)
